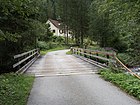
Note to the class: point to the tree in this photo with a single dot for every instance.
(116, 24)
(20, 27)
(74, 14)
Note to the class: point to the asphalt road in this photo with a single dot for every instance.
(78, 89)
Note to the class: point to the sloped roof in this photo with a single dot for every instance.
(55, 23)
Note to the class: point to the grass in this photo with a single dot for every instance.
(15, 89)
(69, 52)
(43, 52)
(128, 83)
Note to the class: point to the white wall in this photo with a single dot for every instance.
(57, 32)
(52, 27)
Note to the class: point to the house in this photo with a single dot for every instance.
(57, 29)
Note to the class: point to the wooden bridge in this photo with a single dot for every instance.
(58, 63)
(68, 80)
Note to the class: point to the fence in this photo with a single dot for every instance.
(95, 54)
(25, 60)
(101, 55)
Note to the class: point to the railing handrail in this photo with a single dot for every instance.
(129, 70)
(23, 60)
(105, 53)
(97, 51)
(26, 57)
(22, 54)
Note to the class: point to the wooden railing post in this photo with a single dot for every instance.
(90, 55)
(77, 51)
(85, 53)
(107, 56)
(97, 55)
(80, 52)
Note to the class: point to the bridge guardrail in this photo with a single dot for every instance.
(108, 56)
(25, 60)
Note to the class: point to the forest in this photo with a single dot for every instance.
(103, 23)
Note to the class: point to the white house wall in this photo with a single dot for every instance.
(52, 27)
(57, 32)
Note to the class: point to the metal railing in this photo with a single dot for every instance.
(25, 60)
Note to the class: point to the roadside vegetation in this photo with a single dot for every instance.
(43, 51)
(126, 82)
(15, 89)
(69, 52)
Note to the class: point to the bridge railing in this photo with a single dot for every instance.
(95, 54)
(106, 56)
(25, 60)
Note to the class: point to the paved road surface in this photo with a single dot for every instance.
(62, 80)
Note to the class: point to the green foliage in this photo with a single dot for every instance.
(115, 23)
(128, 59)
(42, 45)
(46, 45)
(58, 39)
(87, 42)
(43, 52)
(69, 53)
(109, 23)
(20, 28)
(115, 69)
(126, 82)
(49, 41)
(14, 89)
(74, 14)
(54, 41)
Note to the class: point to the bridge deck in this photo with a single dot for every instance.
(72, 89)
(58, 63)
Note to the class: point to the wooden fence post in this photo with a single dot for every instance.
(85, 53)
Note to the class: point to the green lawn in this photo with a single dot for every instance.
(69, 53)
(128, 83)
(15, 89)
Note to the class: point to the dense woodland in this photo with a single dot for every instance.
(108, 23)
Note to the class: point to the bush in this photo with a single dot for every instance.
(14, 89)
(127, 59)
(126, 82)
(69, 52)
(46, 46)
(42, 45)
(58, 39)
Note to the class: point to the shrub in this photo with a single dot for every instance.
(126, 82)
(58, 39)
(14, 89)
(42, 45)
(46, 46)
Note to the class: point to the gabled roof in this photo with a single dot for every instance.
(55, 23)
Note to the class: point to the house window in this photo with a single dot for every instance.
(61, 31)
(53, 31)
